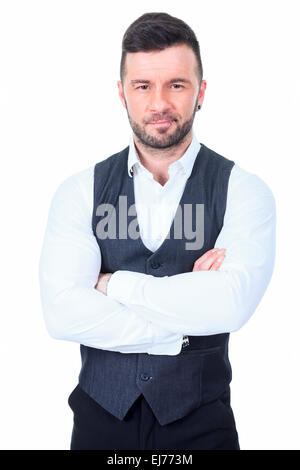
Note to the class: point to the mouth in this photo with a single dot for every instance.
(159, 124)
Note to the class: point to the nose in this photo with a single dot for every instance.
(158, 100)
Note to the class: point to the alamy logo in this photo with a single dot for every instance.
(115, 224)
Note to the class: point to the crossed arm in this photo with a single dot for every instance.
(69, 265)
(142, 313)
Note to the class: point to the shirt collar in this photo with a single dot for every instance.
(186, 162)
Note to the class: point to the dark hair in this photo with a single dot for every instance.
(157, 31)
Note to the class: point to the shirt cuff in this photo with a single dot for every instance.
(124, 286)
(164, 342)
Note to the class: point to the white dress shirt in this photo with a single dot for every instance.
(141, 312)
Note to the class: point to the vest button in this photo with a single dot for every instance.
(145, 377)
(155, 265)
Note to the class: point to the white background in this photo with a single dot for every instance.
(60, 113)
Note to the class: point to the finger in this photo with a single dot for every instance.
(206, 256)
(207, 264)
(216, 265)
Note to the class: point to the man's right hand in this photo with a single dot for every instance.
(210, 261)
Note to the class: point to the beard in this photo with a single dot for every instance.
(164, 139)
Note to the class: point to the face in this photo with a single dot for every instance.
(161, 94)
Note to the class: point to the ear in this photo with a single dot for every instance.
(202, 92)
(121, 93)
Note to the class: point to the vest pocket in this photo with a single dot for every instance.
(200, 351)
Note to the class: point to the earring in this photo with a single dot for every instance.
(199, 106)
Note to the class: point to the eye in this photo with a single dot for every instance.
(142, 87)
(177, 86)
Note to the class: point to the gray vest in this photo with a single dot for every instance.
(172, 385)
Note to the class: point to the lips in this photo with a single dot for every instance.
(164, 123)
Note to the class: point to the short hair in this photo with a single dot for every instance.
(156, 32)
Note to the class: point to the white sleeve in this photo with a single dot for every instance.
(212, 302)
(69, 265)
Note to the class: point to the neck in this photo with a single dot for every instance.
(157, 161)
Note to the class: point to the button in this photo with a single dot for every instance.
(145, 377)
(155, 265)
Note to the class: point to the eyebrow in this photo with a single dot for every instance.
(173, 80)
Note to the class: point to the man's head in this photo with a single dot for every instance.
(161, 82)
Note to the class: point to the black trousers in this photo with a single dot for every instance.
(209, 427)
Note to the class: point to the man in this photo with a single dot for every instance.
(133, 264)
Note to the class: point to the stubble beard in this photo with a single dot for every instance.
(164, 140)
